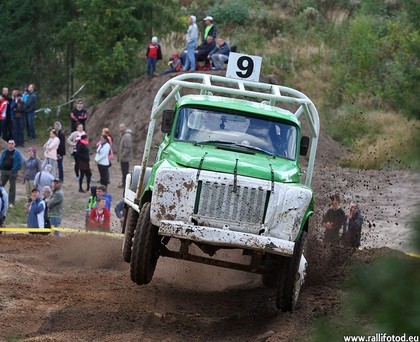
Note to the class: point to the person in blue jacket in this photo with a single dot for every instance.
(35, 211)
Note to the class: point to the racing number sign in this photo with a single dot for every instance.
(244, 67)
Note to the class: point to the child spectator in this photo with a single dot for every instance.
(100, 217)
(101, 193)
(153, 54)
(35, 211)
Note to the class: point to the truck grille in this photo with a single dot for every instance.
(219, 201)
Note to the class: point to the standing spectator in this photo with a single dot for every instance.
(125, 151)
(10, 163)
(102, 159)
(353, 228)
(3, 116)
(72, 140)
(35, 211)
(101, 193)
(333, 221)
(55, 204)
(82, 153)
(100, 217)
(18, 116)
(78, 115)
(210, 29)
(220, 54)
(4, 205)
(30, 107)
(43, 178)
(153, 54)
(8, 127)
(46, 196)
(50, 151)
(61, 151)
(32, 166)
(191, 39)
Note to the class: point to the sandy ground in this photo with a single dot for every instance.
(77, 288)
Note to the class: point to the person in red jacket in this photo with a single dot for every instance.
(153, 54)
(100, 217)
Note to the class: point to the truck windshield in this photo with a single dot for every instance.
(201, 125)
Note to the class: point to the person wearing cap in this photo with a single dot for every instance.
(31, 167)
(153, 54)
(191, 40)
(175, 64)
(10, 163)
(43, 178)
(210, 29)
(56, 203)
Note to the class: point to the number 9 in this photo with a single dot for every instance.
(247, 68)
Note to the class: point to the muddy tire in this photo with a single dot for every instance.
(288, 283)
(145, 252)
(130, 227)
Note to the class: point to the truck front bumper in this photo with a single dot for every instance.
(226, 238)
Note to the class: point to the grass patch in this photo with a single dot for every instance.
(378, 140)
(16, 217)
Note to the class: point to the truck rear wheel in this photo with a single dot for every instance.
(130, 227)
(289, 284)
(145, 252)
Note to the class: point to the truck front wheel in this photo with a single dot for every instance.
(130, 227)
(145, 252)
(289, 284)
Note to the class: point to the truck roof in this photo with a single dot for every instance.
(238, 105)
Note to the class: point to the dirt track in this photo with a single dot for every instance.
(77, 288)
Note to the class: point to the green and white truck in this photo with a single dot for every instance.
(227, 175)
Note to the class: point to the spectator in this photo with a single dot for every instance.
(61, 151)
(72, 140)
(82, 153)
(102, 159)
(55, 204)
(10, 163)
(153, 54)
(100, 217)
(78, 115)
(333, 221)
(101, 193)
(220, 54)
(32, 166)
(3, 116)
(353, 228)
(18, 117)
(43, 178)
(204, 50)
(210, 29)
(191, 39)
(4, 205)
(125, 152)
(174, 63)
(46, 196)
(35, 210)
(50, 151)
(8, 127)
(30, 107)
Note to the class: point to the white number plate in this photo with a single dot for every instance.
(244, 67)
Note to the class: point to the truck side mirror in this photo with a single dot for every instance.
(304, 145)
(167, 120)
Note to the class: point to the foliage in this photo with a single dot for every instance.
(16, 216)
(230, 12)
